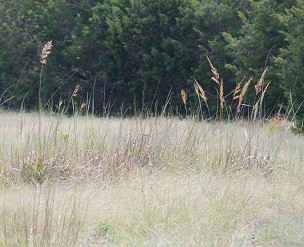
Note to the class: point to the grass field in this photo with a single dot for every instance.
(84, 181)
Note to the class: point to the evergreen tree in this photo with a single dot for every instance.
(258, 45)
(290, 63)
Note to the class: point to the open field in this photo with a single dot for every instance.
(85, 181)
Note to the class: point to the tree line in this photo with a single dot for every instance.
(137, 55)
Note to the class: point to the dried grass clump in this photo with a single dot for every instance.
(132, 153)
(239, 161)
(40, 167)
(89, 166)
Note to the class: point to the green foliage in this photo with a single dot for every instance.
(130, 56)
(290, 63)
(146, 50)
(212, 19)
(258, 45)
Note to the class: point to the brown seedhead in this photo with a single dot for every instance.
(258, 86)
(216, 76)
(222, 100)
(237, 89)
(199, 91)
(242, 94)
(184, 96)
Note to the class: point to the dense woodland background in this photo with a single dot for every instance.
(127, 54)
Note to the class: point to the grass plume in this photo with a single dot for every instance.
(184, 96)
(242, 94)
(45, 52)
(216, 76)
(220, 82)
(259, 85)
(237, 89)
(199, 91)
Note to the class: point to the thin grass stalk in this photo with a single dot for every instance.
(184, 99)
(222, 100)
(199, 110)
(71, 99)
(278, 114)
(46, 51)
(40, 108)
(263, 94)
(201, 94)
(259, 88)
(93, 97)
(255, 110)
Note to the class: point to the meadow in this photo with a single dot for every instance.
(162, 181)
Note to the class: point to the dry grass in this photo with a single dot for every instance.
(153, 182)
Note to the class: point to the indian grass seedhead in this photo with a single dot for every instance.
(241, 96)
(199, 91)
(237, 89)
(184, 96)
(222, 100)
(258, 86)
(216, 77)
(46, 51)
(219, 81)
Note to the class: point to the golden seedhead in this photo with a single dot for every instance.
(242, 94)
(258, 86)
(184, 96)
(237, 89)
(199, 91)
(216, 76)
